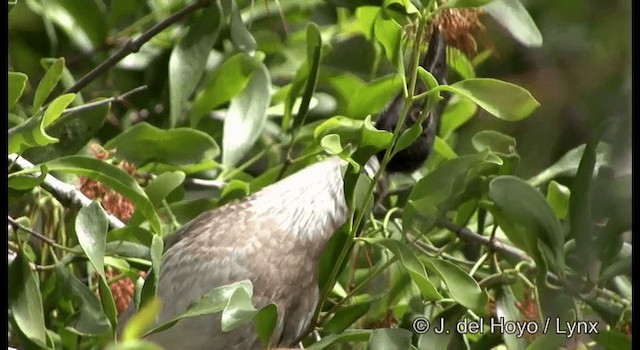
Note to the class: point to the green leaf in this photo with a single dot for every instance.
(390, 339)
(345, 317)
(524, 206)
(84, 22)
(568, 164)
(110, 175)
(150, 286)
(443, 149)
(91, 228)
(227, 81)
(73, 131)
(580, 217)
(504, 100)
(159, 188)
(17, 83)
(456, 113)
(412, 265)
(144, 143)
(189, 57)
(91, 319)
(506, 309)
(210, 303)
(463, 288)
(32, 132)
(373, 97)
(366, 15)
(558, 197)
(448, 319)
(349, 335)
(25, 300)
(144, 319)
(459, 63)
(246, 116)
(407, 138)
(516, 20)
(314, 52)
(48, 83)
(494, 141)
(240, 36)
(612, 340)
(28, 182)
(389, 34)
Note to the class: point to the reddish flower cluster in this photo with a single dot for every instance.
(458, 26)
(122, 208)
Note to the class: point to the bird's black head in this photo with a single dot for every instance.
(412, 157)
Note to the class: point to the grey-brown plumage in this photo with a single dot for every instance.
(274, 238)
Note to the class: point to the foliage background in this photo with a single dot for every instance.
(581, 76)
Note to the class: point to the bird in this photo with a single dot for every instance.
(274, 238)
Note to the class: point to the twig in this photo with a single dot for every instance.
(133, 45)
(90, 105)
(63, 192)
(215, 184)
(16, 225)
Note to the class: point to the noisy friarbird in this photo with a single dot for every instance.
(274, 238)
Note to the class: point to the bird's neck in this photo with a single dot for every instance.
(309, 205)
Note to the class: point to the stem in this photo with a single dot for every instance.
(16, 225)
(90, 105)
(133, 45)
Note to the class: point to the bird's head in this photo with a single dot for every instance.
(412, 157)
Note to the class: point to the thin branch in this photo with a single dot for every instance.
(63, 192)
(16, 225)
(90, 105)
(133, 45)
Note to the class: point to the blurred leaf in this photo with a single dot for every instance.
(345, 317)
(348, 336)
(507, 311)
(91, 228)
(17, 82)
(142, 320)
(189, 57)
(73, 131)
(524, 206)
(456, 113)
(412, 265)
(463, 288)
(580, 217)
(495, 141)
(246, 116)
(503, 100)
(373, 97)
(32, 132)
(48, 83)
(366, 16)
(151, 282)
(66, 79)
(389, 339)
(548, 341)
(84, 22)
(558, 197)
(28, 182)
(389, 34)
(210, 303)
(515, 19)
(227, 81)
(109, 175)
(91, 319)
(407, 137)
(448, 319)
(459, 63)
(568, 164)
(25, 301)
(612, 340)
(443, 149)
(144, 143)
(240, 35)
(159, 188)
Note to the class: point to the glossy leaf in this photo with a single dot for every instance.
(459, 63)
(512, 15)
(345, 317)
(189, 57)
(463, 288)
(390, 339)
(227, 81)
(525, 206)
(73, 132)
(91, 228)
(27, 182)
(558, 197)
(456, 113)
(246, 116)
(494, 141)
(412, 265)
(568, 164)
(91, 319)
(373, 97)
(17, 83)
(48, 83)
(389, 34)
(144, 143)
(25, 301)
(501, 99)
